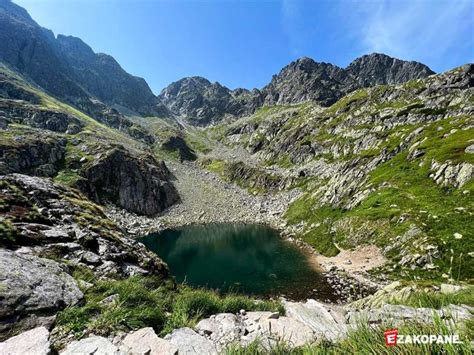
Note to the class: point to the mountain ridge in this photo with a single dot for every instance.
(302, 80)
(68, 68)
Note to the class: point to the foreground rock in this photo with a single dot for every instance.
(48, 219)
(42, 220)
(189, 342)
(145, 341)
(327, 322)
(304, 324)
(267, 328)
(34, 342)
(32, 290)
(92, 345)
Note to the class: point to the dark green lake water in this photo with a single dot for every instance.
(250, 259)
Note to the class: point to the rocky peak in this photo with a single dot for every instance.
(67, 67)
(305, 80)
(7, 7)
(76, 46)
(199, 101)
(376, 68)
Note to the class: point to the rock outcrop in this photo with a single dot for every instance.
(40, 155)
(305, 324)
(50, 220)
(42, 220)
(139, 184)
(145, 341)
(94, 345)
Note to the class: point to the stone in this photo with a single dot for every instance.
(470, 149)
(398, 314)
(93, 345)
(34, 342)
(189, 342)
(145, 342)
(262, 326)
(326, 323)
(223, 328)
(32, 289)
(457, 236)
(449, 288)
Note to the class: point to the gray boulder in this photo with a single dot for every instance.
(145, 342)
(189, 342)
(93, 345)
(325, 322)
(32, 290)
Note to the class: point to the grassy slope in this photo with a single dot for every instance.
(404, 193)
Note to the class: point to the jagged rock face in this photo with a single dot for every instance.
(67, 67)
(113, 118)
(376, 69)
(9, 89)
(40, 155)
(306, 80)
(330, 142)
(32, 290)
(138, 184)
(33, 116)
(48, 219)
(200, 101)
(30, 49)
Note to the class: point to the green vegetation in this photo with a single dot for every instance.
(191, 305)
(368, 339)
(409, 192)
(348, 100)
(136, 302)
(8, 232)
(437, 300)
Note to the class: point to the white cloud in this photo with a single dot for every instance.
(417, 28)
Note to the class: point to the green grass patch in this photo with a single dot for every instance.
(437, 300)
(138, 302)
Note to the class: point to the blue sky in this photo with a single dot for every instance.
(243, 43)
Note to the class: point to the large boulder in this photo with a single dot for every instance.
(32, 290)
(139, 184)
(325, 322)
